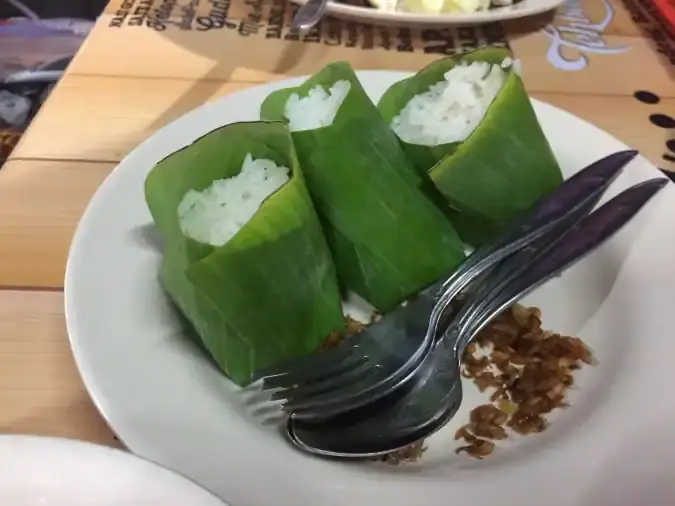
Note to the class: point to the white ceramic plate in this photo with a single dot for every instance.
(389, 16)
(40, 471)
(168, 403)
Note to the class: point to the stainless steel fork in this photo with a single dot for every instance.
(353, 374)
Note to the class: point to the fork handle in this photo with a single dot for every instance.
(510, 269)
(574, 194)
(580, 241)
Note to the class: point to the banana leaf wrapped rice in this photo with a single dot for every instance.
(388, 238)
(467, 121)
(245, 259)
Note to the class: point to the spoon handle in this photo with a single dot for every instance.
(309, 15)
(570, 201)
(491, 284)
(573, 195)
(584, 237)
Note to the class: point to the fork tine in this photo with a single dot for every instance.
(403, 330)
(315, 382)
(299, 365)
(363, 385)
(323, 368)
(354, 349)
(310, 394)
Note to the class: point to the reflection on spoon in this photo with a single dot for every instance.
(309, 15)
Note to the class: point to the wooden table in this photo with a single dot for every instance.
(147, 62)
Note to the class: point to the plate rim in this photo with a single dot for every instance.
(83, 446)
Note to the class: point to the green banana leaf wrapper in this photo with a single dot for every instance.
(388, 238)
(271, 292)
(502, 168)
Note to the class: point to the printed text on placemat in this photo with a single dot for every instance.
(270, 19)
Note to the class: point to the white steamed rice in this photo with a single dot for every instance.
(451, 109)
(215, 215)
(317, 109)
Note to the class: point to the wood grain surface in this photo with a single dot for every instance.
(69, 130)
(40, 390)
(137, 72)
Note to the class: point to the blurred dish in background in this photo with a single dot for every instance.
(35, 52)
(435, 12)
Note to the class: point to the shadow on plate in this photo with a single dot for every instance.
(147, 236)
(256, 403)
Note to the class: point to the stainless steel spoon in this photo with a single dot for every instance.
(415, 412)
(309, 15)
